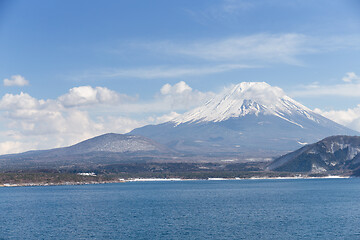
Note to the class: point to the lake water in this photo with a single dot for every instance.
(237, 209)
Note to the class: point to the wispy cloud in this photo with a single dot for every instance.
(260, 47)
(349, 88)
(233, 6)
(263, 47)
(281, 48)
(350, 77)
(346, 90)
(161, 72)
(211, 56)
(225, 10)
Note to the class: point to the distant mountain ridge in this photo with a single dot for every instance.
(252, 119)
(335, 153)
(107, 148)
(117, 143)
(109, 142)
(248, 122)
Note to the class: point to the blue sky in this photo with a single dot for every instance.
(74, 69)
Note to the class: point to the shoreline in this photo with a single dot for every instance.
(166, 180)
(228, 179)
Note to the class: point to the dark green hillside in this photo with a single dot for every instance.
(336, 153)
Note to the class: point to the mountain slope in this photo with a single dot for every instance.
(250, 119)
(336, 153)
(107, 148)
(116, 143)
(110, 142)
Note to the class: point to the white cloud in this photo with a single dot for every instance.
(86, 95)
(39, 124)
(349, 118)
(19, 101)
(350, 77)
(166, 89)
(30, 116)
(167, 117)
(8, 147)
(122, 124)
(85, 112)
(178, 97)
(47, 126)
(181, 96)
(178, 88)
(15, 80)
(261, 93)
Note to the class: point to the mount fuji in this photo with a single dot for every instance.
(250, 119)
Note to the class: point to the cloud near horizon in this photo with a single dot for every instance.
(350, 77)
(84, 112)
(349, 117)
(350, 87)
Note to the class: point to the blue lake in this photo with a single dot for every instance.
(242, 209)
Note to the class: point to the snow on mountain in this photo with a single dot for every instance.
(249, 119)
(248, 98)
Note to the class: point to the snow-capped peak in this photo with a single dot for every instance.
(247, 98)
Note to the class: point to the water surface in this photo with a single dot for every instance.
(242, 209)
